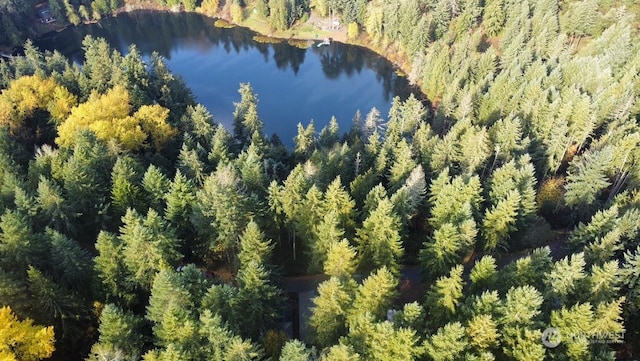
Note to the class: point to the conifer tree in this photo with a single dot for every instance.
(70, 264)
(448, 343)
(125, 189)
(295, 350)
(566, 279)
(327, 234)
(587, 178)
(340, 352)
(180, 200)
(444, 296)
(120, 331)
(379, 239)
(150, 246)
(484, 273)
(222, 210)
(155, 185)
(494, 16)
(258, 299)
(329, 311)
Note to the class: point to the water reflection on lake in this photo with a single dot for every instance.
(294, 85)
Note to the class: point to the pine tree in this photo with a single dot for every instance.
(387, 343)
(329, 311)
(402, 165)
(379, 239)
(180, 200)
(483, 274)
(444, 296)
(483, 332)
(222, 211)
(150, 246)
(295, 350)
(500, 220)
(19, 247)
(376, 293)
(258, 299)
(577, 323)
(136, 77)
(155, 185)
(170, 310)
(120, 331)
(448, 343)
(278, 14)
(587, 178)
(604, 281)
(125, 189)
(305, 141)
(338, 200)
(494, 16)
(70, 263)
(111, 269)
(340, 352)
(327, 234)
(520, 320)
(253, 246)
(329, 134)
(442, 251)
(245, 115)
(340, 260)
(566, 280)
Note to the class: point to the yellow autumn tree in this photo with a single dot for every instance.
(27, 94)
(153, 120)
(109, 117)
(22, 340)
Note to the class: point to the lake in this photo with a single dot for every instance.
(293, 84)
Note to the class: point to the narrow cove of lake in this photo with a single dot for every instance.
(293, 85)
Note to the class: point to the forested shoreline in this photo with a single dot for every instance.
(134, 227)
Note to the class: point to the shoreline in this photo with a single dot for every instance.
(307, 31)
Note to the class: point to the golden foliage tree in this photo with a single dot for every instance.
(109, 117)
(28, 94)
(22, 340)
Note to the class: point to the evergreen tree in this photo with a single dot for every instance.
(483, 274)
(376, 293)
(327, 234)
(448, 343)
(222, 210)
(500, 220)
(155, 185)
(150, 246)
(295, 350)
(494, 16)
(258, 299)
(329, 311)
(125, 189)
(120, 331)
(444, 296)
(587, 178)
(340, 260)
(278, 14)
(379, 239)
(179, 199)
(340, 352)
(70, 264)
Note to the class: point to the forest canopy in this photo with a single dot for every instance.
(134, 227)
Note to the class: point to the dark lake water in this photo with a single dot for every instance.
(293, 85)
